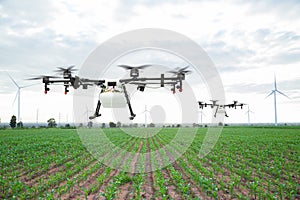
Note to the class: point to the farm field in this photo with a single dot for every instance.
(246, 163)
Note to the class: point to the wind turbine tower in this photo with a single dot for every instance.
(274, 91)
(145, 112)
(201, 112)
(248, 113)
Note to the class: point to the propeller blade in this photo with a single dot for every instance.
(183, 68)
(132, 67)
(71, 68)
(142, 66)
(180, 70)
(125, 66)
(41, 77)
(172, 72)
(36, 78)
(62, 69)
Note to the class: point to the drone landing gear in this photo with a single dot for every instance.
(226, 114)
(132, 115)
(96, 114)
(215, 115)
(46, 88)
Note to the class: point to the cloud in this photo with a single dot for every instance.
(288, 10)
(246, 40)
(287, 86)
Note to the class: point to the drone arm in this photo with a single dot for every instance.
(176, 79)
(132, 115)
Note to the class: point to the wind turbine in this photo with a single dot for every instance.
(248, 112)
(201, 112)
(37, 118)
(274, 91)
(18, 94)
(145, 112)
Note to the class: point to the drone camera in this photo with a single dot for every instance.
(112, 84)
(134, 72)
(141, 88)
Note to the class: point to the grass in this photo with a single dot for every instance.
(246, 163)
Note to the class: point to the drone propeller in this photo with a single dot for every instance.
(69, 69)
(134, 67)
(42, 77)
(179, 71)
(134, 71)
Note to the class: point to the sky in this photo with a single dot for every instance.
(248, 41)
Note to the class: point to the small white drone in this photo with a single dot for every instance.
(220, 107)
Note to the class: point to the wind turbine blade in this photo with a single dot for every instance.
(269, 94)
(15, 97)
(283, 94)
(13, 80)
(275, 83)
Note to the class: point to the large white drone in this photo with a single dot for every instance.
(114, 93)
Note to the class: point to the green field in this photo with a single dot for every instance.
(246, 163)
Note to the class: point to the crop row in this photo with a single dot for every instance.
(245, 163)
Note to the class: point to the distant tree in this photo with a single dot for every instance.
(135, 125)
(103, 125)
(220, 124)
(112, 124)
(80, 125)
(51, 123)
(119, 124)
(151, 125)
(124, 125)
(90, 124)
(178, 125)
(67, 126)
(13, 122)
(20, 124)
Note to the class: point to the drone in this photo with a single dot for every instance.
(115, 88)
(235, 104)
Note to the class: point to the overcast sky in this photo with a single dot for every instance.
(248, 42)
